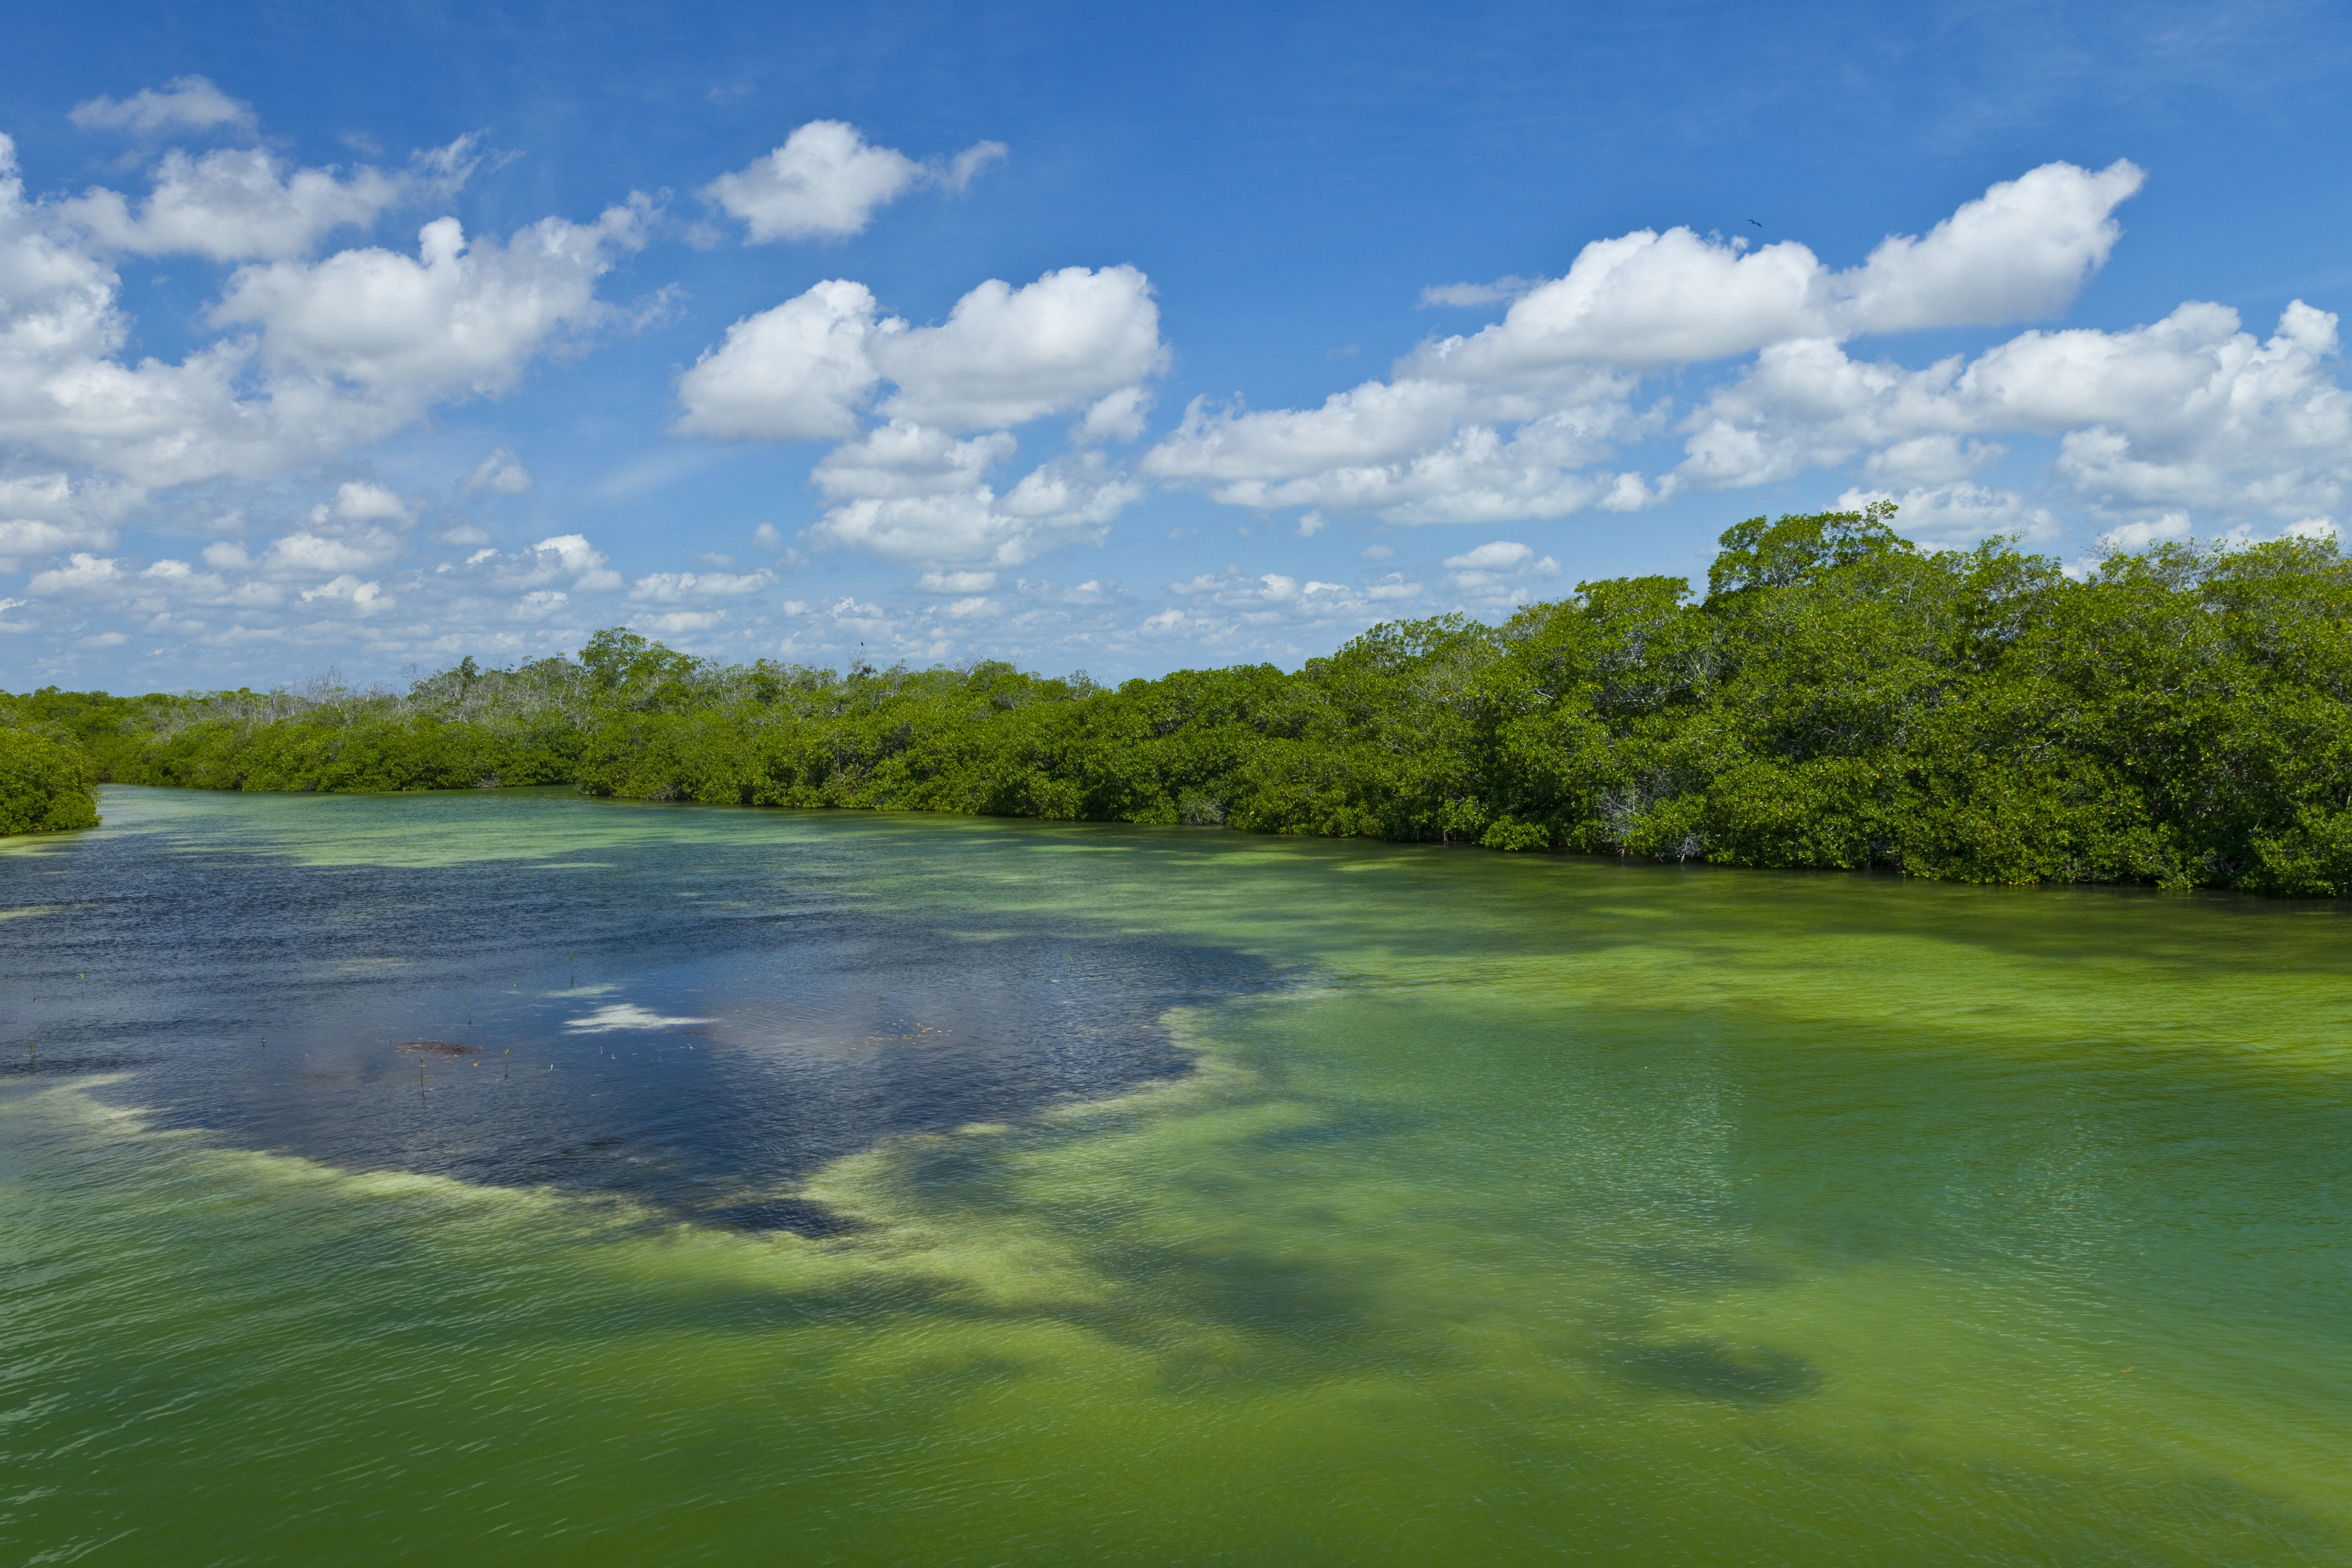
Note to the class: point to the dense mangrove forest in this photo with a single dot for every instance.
(1836, 698)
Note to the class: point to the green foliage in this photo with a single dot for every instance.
(1838, 699)
(46, 784)
(1798, 550)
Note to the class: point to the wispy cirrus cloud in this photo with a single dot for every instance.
(184, 103)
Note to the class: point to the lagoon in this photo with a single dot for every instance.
(508, 1173)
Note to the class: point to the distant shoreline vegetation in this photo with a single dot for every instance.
(1838, 698)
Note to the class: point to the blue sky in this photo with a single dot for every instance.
(1092, 337)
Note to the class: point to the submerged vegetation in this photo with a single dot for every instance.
(1837, 697)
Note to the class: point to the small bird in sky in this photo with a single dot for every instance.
(1757, 223)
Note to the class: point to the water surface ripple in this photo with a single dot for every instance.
(513, 1174)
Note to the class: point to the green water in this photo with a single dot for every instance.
(1526, 1209)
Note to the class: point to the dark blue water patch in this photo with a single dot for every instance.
(586, 1029)
(82, 1066)
(796, 1214)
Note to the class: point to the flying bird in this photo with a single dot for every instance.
(1754, 221)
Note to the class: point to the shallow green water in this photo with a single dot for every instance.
(1472, 1207)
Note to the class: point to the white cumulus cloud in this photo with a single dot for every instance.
(826, 182)
(564, 554)
(457, 318)
(798, 371)
(81, 574)
(2187, 412)
(1007, 355)
(237, 204)
(923, 520)
(1526, 418)
(1415, 451)
(921, 486)
(316, 357)
(2020, 250)
(46, 513)
(901, 459)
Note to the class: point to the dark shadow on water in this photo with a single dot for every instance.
(1346, 1126)
(592, 1031)
(1711, 1369)
(798, 1215)
(61, 1067)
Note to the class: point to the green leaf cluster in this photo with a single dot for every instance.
(46, 783)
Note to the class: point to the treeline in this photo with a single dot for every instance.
(1837, 697)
